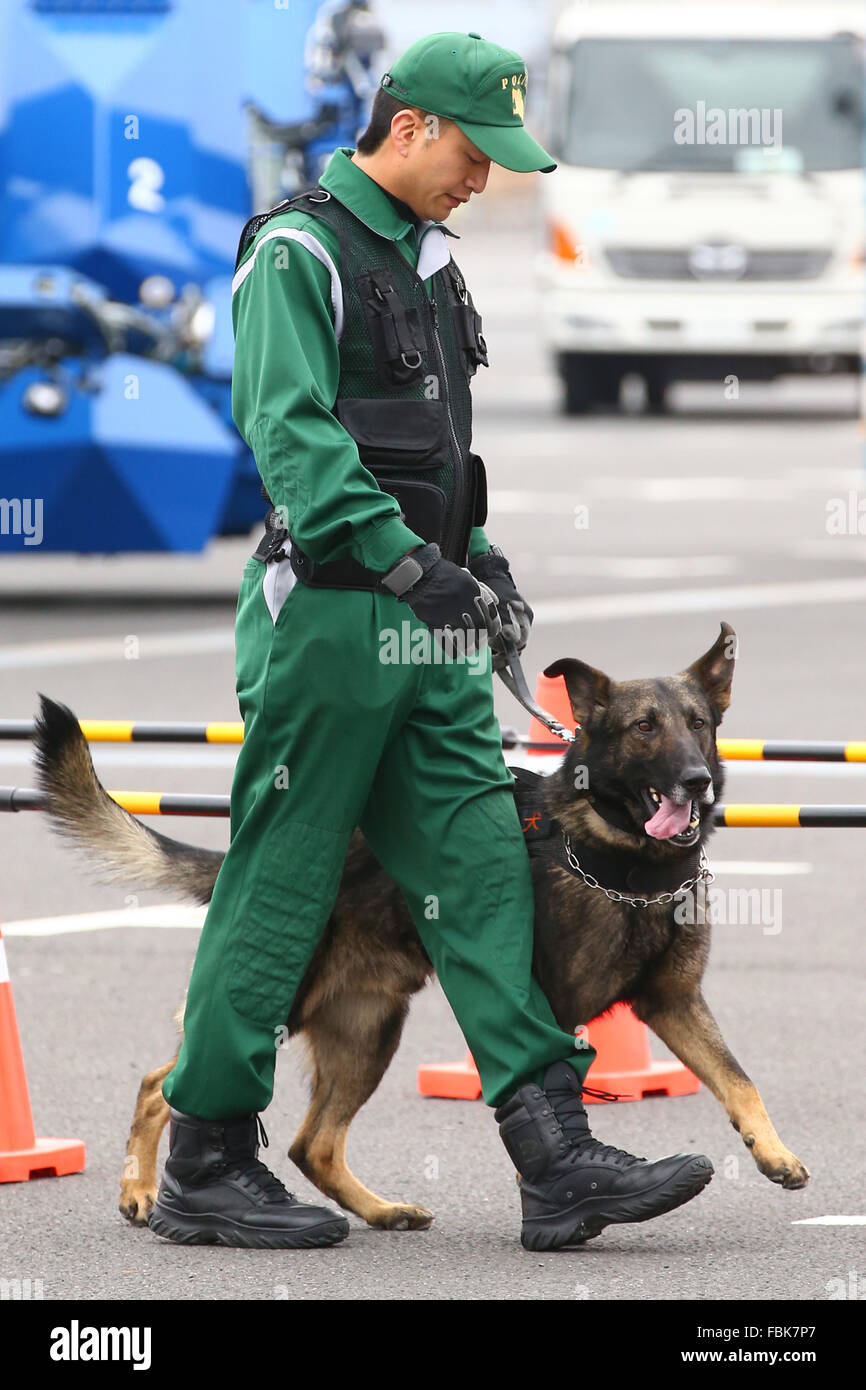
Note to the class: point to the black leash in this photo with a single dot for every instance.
(514, 680)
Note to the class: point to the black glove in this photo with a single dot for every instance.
(443, 595)
(491, 567)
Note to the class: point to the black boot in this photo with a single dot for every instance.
(571, 1186)
(215, 1191)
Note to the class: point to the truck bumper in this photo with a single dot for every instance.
(816, 329)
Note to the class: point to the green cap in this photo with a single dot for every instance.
(480, 86)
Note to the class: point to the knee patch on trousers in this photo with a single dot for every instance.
(506, 886)
(295, 879)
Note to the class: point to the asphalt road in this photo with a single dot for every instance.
(717, 511)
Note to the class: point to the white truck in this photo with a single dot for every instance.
(706, 218)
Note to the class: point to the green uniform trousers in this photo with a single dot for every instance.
(336, 736)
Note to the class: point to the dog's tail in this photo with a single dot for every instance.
(119, 847)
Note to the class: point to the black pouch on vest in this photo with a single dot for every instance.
(467, 322)
(422, 509)
(422, 506)
(479, 512)
(397, 333)
(395, 434)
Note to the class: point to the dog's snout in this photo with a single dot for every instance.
(695, 780)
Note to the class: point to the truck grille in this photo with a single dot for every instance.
(656, 264)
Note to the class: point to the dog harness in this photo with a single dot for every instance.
(611, 870)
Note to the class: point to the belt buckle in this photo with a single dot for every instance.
(273, 542)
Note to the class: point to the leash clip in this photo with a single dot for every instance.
(515, 681)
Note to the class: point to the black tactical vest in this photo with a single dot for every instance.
(406, 360)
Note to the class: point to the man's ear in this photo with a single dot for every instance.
(714, 671)
(404, 125)
(588, 689)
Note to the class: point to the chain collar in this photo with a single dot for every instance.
(704, 874)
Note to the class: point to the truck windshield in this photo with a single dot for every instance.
(628, 97)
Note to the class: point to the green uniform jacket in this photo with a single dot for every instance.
(287, 317)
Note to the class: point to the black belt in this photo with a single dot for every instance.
(336, 574)
(276, 543)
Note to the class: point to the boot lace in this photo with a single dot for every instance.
(568, 1108)
(254, 1174)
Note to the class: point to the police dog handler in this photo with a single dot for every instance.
(355, 342)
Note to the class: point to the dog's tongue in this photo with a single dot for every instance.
(669, 819)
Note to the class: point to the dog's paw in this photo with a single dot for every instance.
(136, 1202)
(786, 1170)
(797, 1174)
(401, 1216)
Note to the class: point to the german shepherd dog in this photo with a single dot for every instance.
(651, 773)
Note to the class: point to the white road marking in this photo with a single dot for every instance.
(720, 600)
(831, 1221)
(170, 916)
(77, 651)
(850, 548)
(622, 487)
(181, 916)
(638, 566)
(596, 608)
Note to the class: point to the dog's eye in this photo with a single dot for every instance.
(698, 723)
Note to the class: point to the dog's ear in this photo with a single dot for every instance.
(714, 671)
(588, 689)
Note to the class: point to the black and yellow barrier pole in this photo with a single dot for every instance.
(228, 731)
(182, 804)
(790, 750)
(137, 803)
(137, 731)
(804, 817)
(738, 749)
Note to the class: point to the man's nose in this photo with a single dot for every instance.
(477, 180)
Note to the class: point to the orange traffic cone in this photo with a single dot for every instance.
(22, 1155)
(454, 1080)
(623, 1065)
(551, 694)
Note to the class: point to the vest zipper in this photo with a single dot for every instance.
(459, 497)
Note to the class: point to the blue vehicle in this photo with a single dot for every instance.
(136, 138)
